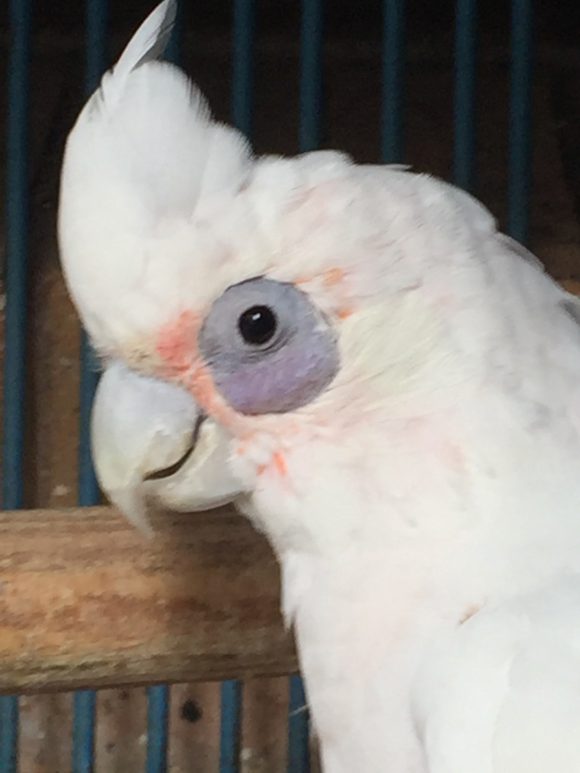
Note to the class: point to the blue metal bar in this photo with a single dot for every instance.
(173, 53)
(83, 741)
(96, 16)
(157, 729)
(231, 713)
(89, 493)
(393, 81)
(17, 255)
(85, 701)
(9, 732)
(17, 203)
(520, 136)
(298, 730)
(465, 77)
(311, 75)
(244, 25)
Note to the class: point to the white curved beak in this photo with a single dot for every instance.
(151, 443)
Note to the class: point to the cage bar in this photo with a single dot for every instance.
(464, 149)
(83, 740)
(157, 729)
(311, 76)
(230, 725)
(394, 31)
(173, 53)
(17, 209)
(244, 33)
(520, 125)
(298, 731)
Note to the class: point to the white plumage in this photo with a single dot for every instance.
(425, 505)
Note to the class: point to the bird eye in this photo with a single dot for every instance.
(268, 348)
(257, 325)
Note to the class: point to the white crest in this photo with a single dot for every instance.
(142, 153)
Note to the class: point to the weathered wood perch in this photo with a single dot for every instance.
(85, 600)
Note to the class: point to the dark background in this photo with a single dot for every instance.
(558, 21)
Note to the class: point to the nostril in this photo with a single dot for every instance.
(167, 472)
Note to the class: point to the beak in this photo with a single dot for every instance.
(151, 443)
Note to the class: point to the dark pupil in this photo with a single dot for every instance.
(257, 325)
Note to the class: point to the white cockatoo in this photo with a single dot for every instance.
(384, 383)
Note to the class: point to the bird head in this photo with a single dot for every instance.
(245, 307)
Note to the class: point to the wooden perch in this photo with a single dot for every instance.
(86, 601)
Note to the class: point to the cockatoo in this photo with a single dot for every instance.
(386, 385)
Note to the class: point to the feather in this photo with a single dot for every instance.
(146, 45)
(144, 153)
